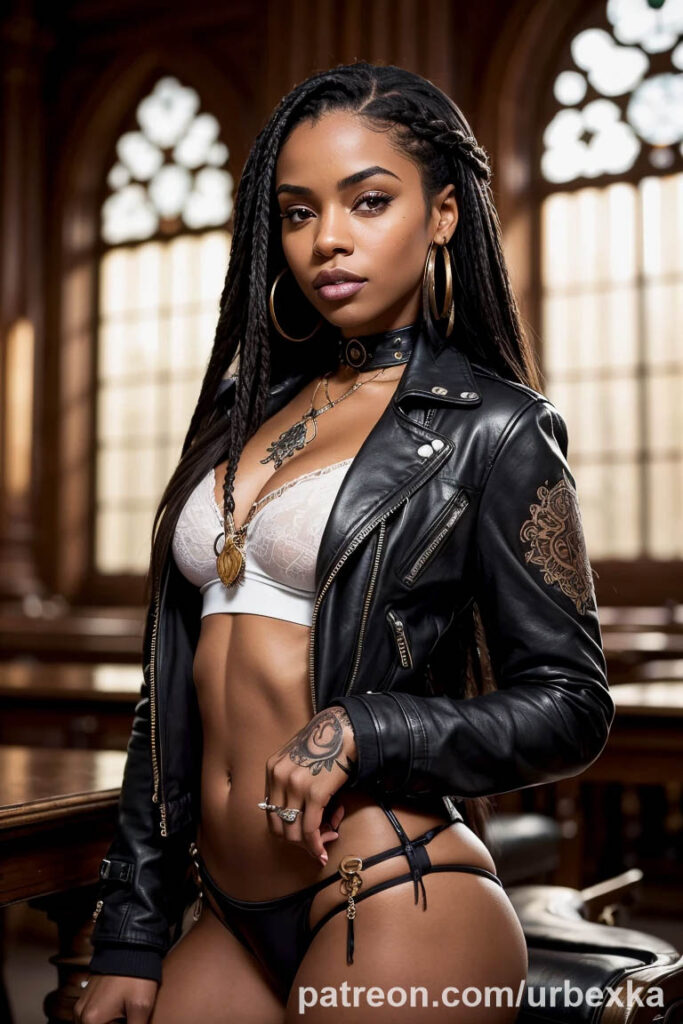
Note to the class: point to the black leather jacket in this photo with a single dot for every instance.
(460, 493)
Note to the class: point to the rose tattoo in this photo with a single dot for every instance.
(320, 743)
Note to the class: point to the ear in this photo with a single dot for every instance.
(446, 214)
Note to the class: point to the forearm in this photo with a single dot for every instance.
(494, 743)
(531, 580)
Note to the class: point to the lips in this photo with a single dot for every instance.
(336, 276)
(340, 290)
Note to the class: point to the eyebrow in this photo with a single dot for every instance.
(351, 179)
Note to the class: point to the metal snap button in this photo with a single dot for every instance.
(469, 394)
(424, 450)
(439, 390)
(437, 444)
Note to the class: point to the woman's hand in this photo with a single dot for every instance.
(305, 773)
(112, 997)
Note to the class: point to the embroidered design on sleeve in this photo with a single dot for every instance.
(557, 545)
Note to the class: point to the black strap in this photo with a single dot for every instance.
(471, 869)
(418, 862)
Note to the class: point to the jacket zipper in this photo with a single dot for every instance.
(352, 546)
(366, 604)
(153, 717)
(454, 509)
(399, 631)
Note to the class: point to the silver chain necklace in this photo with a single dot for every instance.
(230, 562)
(294, 438)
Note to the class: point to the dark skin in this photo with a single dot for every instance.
(378, 227)
(323, 755)
(374, 221)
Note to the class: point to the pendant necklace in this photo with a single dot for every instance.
(231, 560)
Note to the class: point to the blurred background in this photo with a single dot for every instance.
(124, 130)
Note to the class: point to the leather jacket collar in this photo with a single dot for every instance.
(438, 372)
(399, 453)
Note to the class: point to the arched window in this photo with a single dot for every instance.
(164, 253)
(611, 263)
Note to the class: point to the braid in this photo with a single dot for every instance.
(455, 141)
(255, 362)
(413, 113)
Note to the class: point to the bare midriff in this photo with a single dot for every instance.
(251, 677)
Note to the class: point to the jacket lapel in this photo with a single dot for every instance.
(398, 456)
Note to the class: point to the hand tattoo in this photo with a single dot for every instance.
(318, 744)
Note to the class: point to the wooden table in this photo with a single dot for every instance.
(64, 705)
(645, 747)
(627, 651)
(96, 632)
(57, 817)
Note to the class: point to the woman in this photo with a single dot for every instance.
(388, 478)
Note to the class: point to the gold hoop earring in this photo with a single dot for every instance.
(429, 283)
(273, 317)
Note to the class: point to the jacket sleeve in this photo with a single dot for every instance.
(131, 932)
(137, 901)
(551, 713)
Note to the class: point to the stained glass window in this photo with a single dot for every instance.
(622, 95)
(170, 170)
(612, 279)
(162, 268)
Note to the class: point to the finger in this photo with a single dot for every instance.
(293, 830)
(138, 1012)
(268, 796)
(313, 813)
(335, 819)
(277, 797)
(327, 830)
(80, 1006)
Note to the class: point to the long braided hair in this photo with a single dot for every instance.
(424, 124)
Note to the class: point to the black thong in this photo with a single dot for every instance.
(278, 931)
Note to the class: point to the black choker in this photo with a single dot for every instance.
(372, 351)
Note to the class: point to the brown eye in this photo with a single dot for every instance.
(378, 200)
(289, 214)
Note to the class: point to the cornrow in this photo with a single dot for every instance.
(455, 141)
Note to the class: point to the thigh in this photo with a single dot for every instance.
(209, 976)
(469, 937)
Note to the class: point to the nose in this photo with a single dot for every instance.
(332, 235)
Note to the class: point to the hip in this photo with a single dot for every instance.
(245, 859)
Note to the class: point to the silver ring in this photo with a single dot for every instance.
(288, 814)
(84, 984)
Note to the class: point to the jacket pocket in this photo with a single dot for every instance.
(438, 530)
(398, 631)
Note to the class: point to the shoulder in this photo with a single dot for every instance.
(509, 406)
(499, 391)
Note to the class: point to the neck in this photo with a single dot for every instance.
(364, 352)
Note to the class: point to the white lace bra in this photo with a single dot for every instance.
(281, 547)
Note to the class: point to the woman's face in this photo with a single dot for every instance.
(374, 225)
